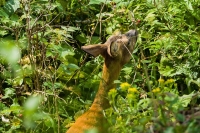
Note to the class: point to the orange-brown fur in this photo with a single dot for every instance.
(115, 53)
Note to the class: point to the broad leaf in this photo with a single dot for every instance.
(11, 6)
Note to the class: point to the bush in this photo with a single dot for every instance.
(46, 80)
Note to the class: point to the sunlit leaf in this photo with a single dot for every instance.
(73, 66)
(186, 99)
(9, 92)
(9, 51)
(11, 6)
(70, 28)
(96, 2)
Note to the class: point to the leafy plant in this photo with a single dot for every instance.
(47, 81)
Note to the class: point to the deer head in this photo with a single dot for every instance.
(116, 52)
(117, 47)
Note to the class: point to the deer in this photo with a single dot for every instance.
(116, 51)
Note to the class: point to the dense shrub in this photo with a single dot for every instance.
(46, 81)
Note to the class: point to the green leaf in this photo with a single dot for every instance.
(144, 103)
(18, 80)
(96, 2)
(3, 13)
(117, 82)
(186, 99)
(94, 130)
(49, 122)
(3, 32)
(95, 40)
(6, 111)
(135, 50)
(81, 38)
(150, 17)
(70, 28)
(31, 104)
(146, 61)
(11, 6)
(58, 85)
(9, 51)
(9, 92)
(73, 66)
(65, 53)
(51, 85)
(197, 82)
(127, 70)
(2, 106)
(180, 117)
(167, 71)
(188, 4)
(16, 108)
(169, 130)
(145, 34)
(109, 30)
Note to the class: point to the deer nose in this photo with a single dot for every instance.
(132, 33)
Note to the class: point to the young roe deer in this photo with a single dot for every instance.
(116, 52)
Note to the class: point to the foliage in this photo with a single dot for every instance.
(47, 81)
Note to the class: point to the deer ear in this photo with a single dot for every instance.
(112, 46)
(113, 49)
(95, 50)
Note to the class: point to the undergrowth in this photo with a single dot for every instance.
(46, 81)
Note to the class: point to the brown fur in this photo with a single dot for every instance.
(116, 52)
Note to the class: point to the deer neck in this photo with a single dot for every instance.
(111, 72)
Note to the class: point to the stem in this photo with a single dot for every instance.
(99, 20)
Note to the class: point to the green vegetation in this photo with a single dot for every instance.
(46, 80)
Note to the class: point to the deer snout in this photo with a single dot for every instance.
(132, 33)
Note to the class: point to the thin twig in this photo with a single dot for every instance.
(99, 19)
(55, 95)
